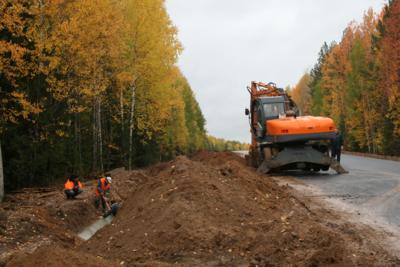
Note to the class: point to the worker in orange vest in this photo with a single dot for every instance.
(72, 187)
(102, 191)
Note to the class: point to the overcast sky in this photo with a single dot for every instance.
(228, 43)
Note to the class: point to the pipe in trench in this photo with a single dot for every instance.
(89, 231)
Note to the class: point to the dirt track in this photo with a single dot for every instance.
(213, 210)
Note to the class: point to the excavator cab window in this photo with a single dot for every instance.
(273, 110)
(258, 119)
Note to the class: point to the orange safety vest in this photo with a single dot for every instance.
(69, 185)
(105, 186)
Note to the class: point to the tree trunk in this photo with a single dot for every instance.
(79, 144)
(94, 129)
(1, 176)
(366, 124)
(76, 144)
(371, 124)
(99, 134)
(121, 106)
(131, 128)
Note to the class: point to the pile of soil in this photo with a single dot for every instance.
(214, 210)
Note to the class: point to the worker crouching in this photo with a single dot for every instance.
(72, 187)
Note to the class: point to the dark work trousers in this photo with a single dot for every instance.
(100, 199)
(72, 193)
(336, 152)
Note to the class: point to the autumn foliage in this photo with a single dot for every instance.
(357, 83)
(88, 85)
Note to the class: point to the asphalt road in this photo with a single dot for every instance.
(372, 184)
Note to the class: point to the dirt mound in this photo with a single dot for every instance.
(214, 210)
(217, 158)
(55, 256)
(125, 182)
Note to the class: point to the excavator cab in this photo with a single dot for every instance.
(266, 108)
(270, 108)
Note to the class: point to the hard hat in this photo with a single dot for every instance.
(109, 179)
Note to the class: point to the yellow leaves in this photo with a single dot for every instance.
(11, 60)
(16, 105)
(27, 107)
(150, 39)
(11, 16)
(15, 52)
(125, 77)
(86, 38)
(60, 133)
(301, 94)
(360, 80)
(150, 50)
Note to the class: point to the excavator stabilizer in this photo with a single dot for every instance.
(337, 167)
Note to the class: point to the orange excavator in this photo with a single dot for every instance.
(283, 140)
